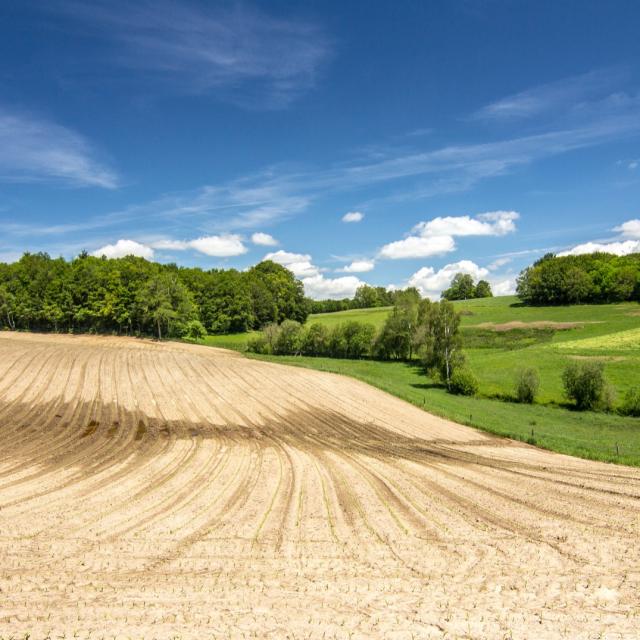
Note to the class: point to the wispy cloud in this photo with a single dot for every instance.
(279, 192)
(239, 53)
(552, 97)
(33, 149)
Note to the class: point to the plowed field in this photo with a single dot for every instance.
(161, 490)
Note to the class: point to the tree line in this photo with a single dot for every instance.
(588, 278)
(366, 297)
(132, 296)
(415, 328)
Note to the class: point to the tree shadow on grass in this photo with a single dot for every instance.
(429, 383)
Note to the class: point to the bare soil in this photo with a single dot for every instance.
(164, 490)
(537, 324)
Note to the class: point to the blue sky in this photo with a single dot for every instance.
(393, 143)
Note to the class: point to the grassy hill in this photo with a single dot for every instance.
(502, 336)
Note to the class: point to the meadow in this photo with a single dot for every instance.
(502, 336)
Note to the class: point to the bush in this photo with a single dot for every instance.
(527, 385)
(463, 383)
(288, 339)
(258, 344)
(584, 383)
(315, 341)
(631, 403)
(194, 331)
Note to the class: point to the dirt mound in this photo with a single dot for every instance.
(538, 324)
(167, 490)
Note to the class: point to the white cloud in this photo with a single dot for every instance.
(263, 239)
(315, 284)
(125, 248)
(629, 229)
(242, 54)
(431, 283)
(177, 245)
(552, 97)
(32, 149)
(493, 223)
(319, 287)
(417, 247)
(619, 248)
(499, 262)
(359, 266)
(352, 216)
(298, 263)
(222, 246)
(634, 164)
(504, 287)
(436, 237)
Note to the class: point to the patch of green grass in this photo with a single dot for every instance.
(514, 339)
(375, 316)
(233, 341)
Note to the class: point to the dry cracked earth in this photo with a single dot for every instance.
(165, 490)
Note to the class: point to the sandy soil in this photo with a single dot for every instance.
(162, 490)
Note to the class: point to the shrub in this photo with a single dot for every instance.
(288, 339)
(463, 383)
(631, 404)
(584, 383)
(258, 344)
(527, 385)
(359, 338)
(351, 340)
(194, 331)
(315, 340)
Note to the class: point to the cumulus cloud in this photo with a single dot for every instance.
(504, 287)
(298, 263)
(627, 242)
(492, 223)
(222, 246)
(353, 216)
(319, 287)
(263, 239)
(629, 229)
(316, 285)
(359, 266)
(619, 248)
(125, 248)
(418, 247)
(436, 237)
(431, 283)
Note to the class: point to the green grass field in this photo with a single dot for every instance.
(607, 332)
